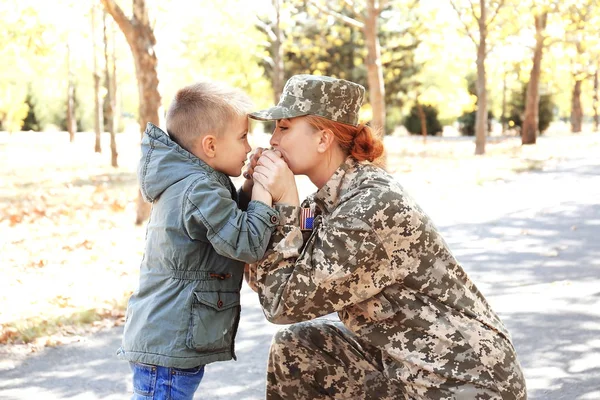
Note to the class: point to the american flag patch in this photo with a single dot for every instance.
(307, 216)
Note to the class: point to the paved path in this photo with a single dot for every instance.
(531, 244)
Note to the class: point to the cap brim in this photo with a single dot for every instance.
(276, 113)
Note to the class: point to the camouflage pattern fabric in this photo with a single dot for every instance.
(335, 99)
(324, 360)
(376, 259)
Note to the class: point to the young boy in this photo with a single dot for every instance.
(185, 312)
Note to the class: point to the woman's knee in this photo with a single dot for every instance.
(305, 334)
(289, 335)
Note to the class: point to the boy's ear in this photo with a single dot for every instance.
(209, 145)
(325, 140)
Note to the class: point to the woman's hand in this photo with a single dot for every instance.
(272, 172)
(249, 183)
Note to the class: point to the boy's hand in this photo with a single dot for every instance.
(260, 193)
(252, 161)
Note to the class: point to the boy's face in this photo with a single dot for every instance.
(232, 148)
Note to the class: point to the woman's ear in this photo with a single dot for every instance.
(209, 145)
(325, 140)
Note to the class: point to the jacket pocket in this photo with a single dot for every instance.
(212, 323)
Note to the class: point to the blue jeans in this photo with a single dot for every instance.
(152, 382)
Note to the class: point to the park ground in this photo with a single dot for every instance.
(69, 251)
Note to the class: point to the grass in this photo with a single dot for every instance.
(530, 165)
(70, 252)
(53, 330)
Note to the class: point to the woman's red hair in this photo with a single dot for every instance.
(359, 141)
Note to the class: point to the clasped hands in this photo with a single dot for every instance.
(269, 174)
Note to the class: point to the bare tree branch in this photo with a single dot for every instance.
(269, 60)
(268, 29)
(338, 16)
(349, 3)
(380, 6)
(512, 32)
(552, 42)
(473, 12)
(466, 26)
(139, 12)
(118, 15)
(496, 12)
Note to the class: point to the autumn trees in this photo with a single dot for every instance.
(141, 40)
(320, 36)
(569, 26)
(529, 129)
(344, 40)
(479, 18)
(365, 18)
(406, 53)
(581, 36)
(576, 21)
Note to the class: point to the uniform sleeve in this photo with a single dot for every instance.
(341, 264)
(211, 214)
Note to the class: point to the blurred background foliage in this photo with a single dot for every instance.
(424, 56)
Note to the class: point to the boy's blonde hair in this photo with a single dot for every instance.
(204, 107)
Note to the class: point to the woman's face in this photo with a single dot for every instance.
(297, 141)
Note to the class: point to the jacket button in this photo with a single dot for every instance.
(220, 303)
(274, 219)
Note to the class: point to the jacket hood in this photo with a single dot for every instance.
(164, 163)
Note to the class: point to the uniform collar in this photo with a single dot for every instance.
(328, 197)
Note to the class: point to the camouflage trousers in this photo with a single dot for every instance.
(323, 360)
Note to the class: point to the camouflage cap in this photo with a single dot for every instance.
(335, 99)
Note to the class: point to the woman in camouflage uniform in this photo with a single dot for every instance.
(413, 325)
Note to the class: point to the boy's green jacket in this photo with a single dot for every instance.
(186, 310)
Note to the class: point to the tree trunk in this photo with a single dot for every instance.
(481, 120)
(111, 89)
(115, 106)
(278, 69)
(375, 74)
(369, 27)
(576, 109)
(531, 119)
(71, 119)
(595, 102)
(503, 117)
(423, 119)
(141, 40)
(98, 118)
(374, 69)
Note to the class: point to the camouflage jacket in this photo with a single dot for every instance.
(376, 259)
